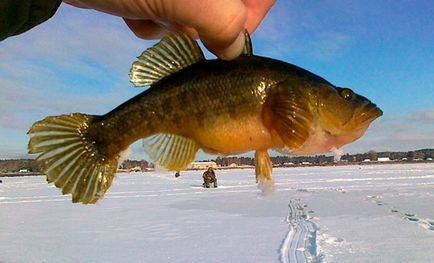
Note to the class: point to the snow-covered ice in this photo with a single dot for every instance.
(368, 213)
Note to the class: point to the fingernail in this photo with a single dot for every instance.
(234, 50)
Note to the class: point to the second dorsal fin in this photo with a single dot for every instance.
(173, 53)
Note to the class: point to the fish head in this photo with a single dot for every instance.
(345, 115)
(313, 119)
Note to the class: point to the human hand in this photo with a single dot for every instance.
(218, 23)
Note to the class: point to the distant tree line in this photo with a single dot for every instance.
(276, 160)
(15, 165)
(422, 154)
(129, 164)
(226, 161)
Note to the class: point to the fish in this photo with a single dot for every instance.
(250, 103)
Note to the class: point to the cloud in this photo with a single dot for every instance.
(77, 61)
(289, 31)
(424, 117)
(404, 132)
(327, 45)
(75, 39)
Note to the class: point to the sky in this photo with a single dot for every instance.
(79, 60)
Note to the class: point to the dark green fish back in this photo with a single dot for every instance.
(193, 97)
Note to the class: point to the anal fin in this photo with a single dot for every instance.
(173, 152)
(263, 167)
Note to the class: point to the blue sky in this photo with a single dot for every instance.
(79, 61)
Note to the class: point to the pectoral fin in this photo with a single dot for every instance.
(263, 167)
(174, 152)
(287, 111)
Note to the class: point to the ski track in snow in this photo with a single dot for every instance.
(299, 244)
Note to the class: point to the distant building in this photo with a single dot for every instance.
(429, 159)
(202, 165)
(366, 160)
(384, 159)
(23, 171)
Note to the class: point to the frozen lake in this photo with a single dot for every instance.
(381, 213)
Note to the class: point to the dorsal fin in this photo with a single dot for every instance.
(174, 152)
(247, 49)
(173, 53)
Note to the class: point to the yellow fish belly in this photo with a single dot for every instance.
(236, 136)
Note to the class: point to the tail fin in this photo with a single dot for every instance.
(70, 159)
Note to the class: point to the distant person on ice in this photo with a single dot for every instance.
(177, 174)
(209, 178)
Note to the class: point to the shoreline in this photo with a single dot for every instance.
(17, 174)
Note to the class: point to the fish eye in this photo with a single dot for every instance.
(347, 94)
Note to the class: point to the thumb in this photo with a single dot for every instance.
(219, 24)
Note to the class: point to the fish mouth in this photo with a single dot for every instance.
(368, 113)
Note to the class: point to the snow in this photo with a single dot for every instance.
(366, 213)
